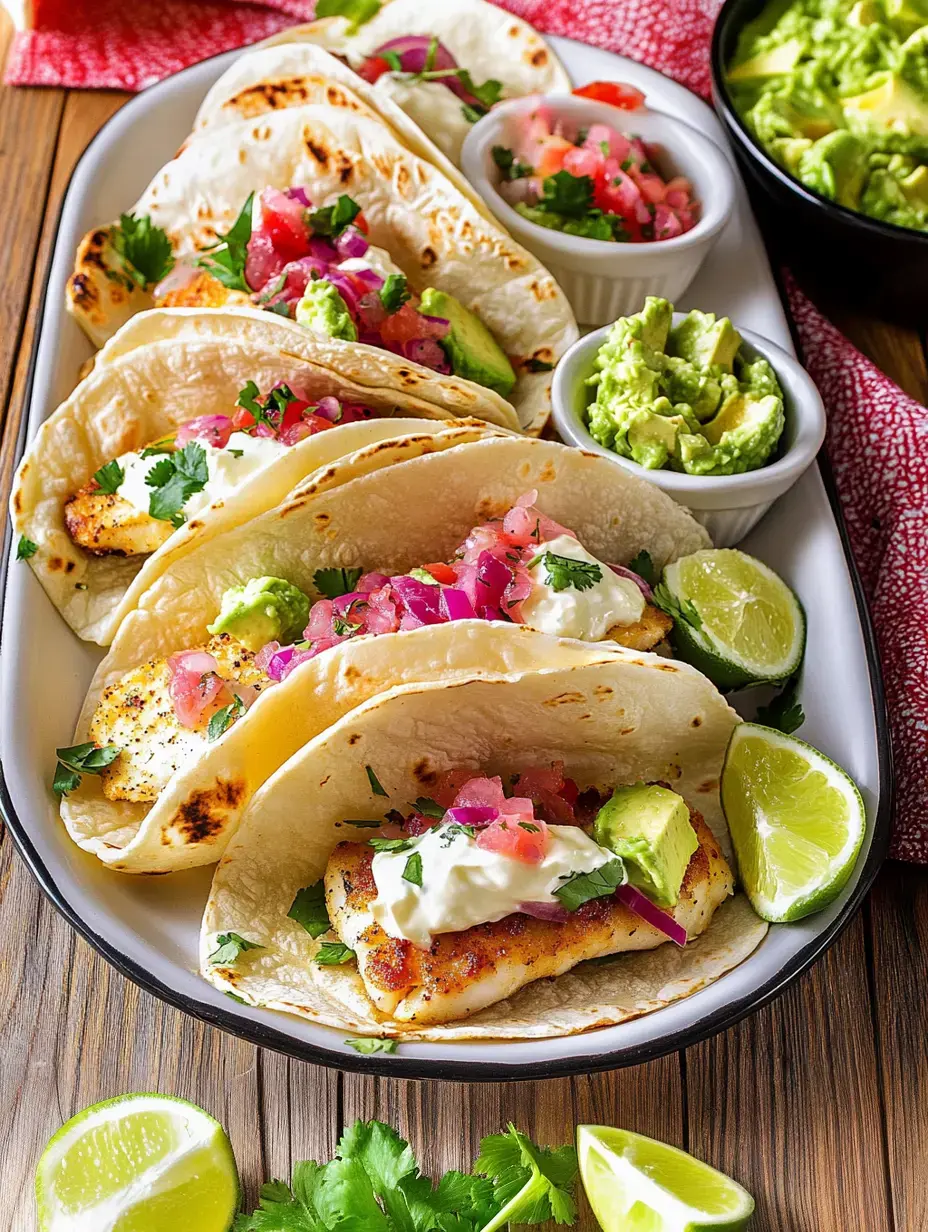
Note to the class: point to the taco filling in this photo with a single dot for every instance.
(482, 889)
(135, 502)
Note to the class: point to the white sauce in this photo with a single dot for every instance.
(226, 471)
(463, 885)
(376, 259)
(437, 110)
(584, 614)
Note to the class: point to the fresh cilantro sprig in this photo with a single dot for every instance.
(570, 195)
(335, 582)
(643, 565)
(25, 548)
(532, 1184)
(376, 786)
(677, 609)
(357, 12)
(174, 479)
(413, 870)
(333, 954)
(109, 477)
(271, 410)
(428, 807)
(783, 712)
(228, 948)
(225, 259)
(309, 910)
(509, 165)
(77, 760)
(390, 844)
(394, 293)
(223, 719)
(580, 888)
(564, 571)
(143, 248)
(332, 220)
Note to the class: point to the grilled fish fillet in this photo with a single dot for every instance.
(204, 291)
(645, 633)
(466, 971)
(105, 524)
(137, 714)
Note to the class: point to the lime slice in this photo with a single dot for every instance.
(748, 626)
(140, 1163)
(636, 1184)
(797, 821)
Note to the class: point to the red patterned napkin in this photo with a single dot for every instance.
(877, 436)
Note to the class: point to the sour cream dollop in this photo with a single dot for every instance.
(464, 885)
(587, 614)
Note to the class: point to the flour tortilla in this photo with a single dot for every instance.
(484, 39)
(431, 231)
(164, 368)
(619, 718)
(391, 519)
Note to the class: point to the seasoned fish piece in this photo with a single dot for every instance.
(204, 291)
(105, 524)
(464, 972)
(137, 714)
(645, 633)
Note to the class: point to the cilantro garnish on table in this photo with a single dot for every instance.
(174, 479)
(226, 258)
(143, 248)
(374, 1185)
(564, 571)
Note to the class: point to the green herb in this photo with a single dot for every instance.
(538, 365)
(364, 825)
(390, 844)
(25, 548)
(282, 309)
(431, 54)
(471, 114)
(144, 249)
(394, 292)
(226, 260)
(166, 445)
(604, 146)
(428, 807)
(579, 888)
(233, 996)
(374, 781)
(452, 831)
(392, 58)
(109, 477)
(266, 296)
(309, 909)
(626, 164)
(527, 825)
(506, 161)
(570, 195)
(486, 95)
(333, 954)
(333, 219)
(564, 571)
(357, 12)
(532, 1183)
(423, 575)
(643, 565)
(229, 946)
(413, 870)
(335, 582)
(79, 759)
(783, 712)
(175, 478)
(223, 719)
(271, 410)
(369, 1044)
(677, 609)
(582, 134)
(344, 628)
(236, 453)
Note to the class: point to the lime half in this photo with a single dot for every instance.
(735, 619)
(141, 1163)
(636, 1184)
(797, 821)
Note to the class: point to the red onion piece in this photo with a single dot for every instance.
(213, 430)
(413, 51)
(299, 194)
(351, 243)
(456, 605)
(632, 898)
(472, 815)
(329, 408)
(545, 911)
(636, 578)
(421, 601)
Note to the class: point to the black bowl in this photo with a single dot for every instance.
(873, 266)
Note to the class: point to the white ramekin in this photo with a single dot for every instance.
(606, 280)
(727, 505)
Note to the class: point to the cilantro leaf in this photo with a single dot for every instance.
(413, 870)
(226, 259)
(394, 293)
(25, 548)
(174, 479)
(643, 565)
(109, 477)
(332, 220)
(368, 1044)
(532, 1184)
(271, 410)
(392, 58)
(279, 1210)
(580, 888)
(509, 165)
(376, 785)
(390, 844)
(309, 909)
(223, 719)
(144, 249)
(356, 11)
(229, 946)
(783, 712)
(333, 954)
(428, 807)
(472, 114)
(564, 571)
(335, 582)
(79, 759)
(344, 628)
(455, 830)
(570, 195)
(538, 365)
(65, 780)
(363, 825)
(677, 609)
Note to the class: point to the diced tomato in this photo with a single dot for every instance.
(615, 93)
(215, 430)
(403, 325)
(584, 160)
(292, 414)
(448, 785)
(284, 220)
(361, 223)
(442, 573)
(480, 793)
(520, 838)
(372, 68)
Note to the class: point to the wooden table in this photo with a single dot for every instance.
(818, 1104)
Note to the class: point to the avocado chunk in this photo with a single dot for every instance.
(702, 339)
(653, 438)
(649, 827)
(836, 167)
(323, 312)
(893, 104)
(265, 609)
(471, 349)
(772, 63)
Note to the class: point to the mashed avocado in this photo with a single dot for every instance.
(684, 396)
(323, 312)
(837, 92)
(266, 609)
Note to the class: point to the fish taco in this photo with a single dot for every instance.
(245, 649)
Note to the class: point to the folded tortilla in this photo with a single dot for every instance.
(164, 368)
(393, 518)
(618, 718)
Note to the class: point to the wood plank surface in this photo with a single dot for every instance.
(819, 1102)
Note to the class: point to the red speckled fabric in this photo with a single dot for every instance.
(877, 437)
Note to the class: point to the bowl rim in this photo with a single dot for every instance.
(708, 492)
(738, 129)
(720, 179)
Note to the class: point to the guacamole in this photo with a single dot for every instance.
(837, 92)
(684, 396)
(265, 609)
(323, 312)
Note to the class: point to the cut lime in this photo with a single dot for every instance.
(734, 619)
(140, 1163)
(636, 1184)
(797, 821)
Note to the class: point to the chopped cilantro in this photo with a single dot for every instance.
(223, 719)
(643, 565)
(175, 478)
(78, 759)
(413, 870)
(394, 293)
(580, 888)
(332, 220)
(344, 628)
(376, 786)
(266, 296)
(363, 825)
(392, 58)
(333, 954)
(677, 609)
(309, 909)
(471, 114)
(165, 445)
(527, 825)
(582, 134)
(109, 478)
(236, 453)
(335, 582)
(506, 161)
(455, 830)
(570, 195)
(564, 571)
(229, 946)
(271, 410)
(144, 249)
(626, 164)
(233, 996)
(783, 712)
(390, 844)
(604, 146)
(357, 12)
(368, 1044)
(25, 548)
(226, 259)
(428, 808)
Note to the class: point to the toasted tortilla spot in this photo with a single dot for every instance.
(322, 519)
(18, 499)
(424, 772)
(69, 566)
(665, 667)
(83, 291)
(325, 780)
(628, 731)
(542, 290)
(547, 472)
(203, 816)
(697, 722)
(354, 737)
(708, 786)
(55, 563)
(488, 508)
(319, 152)
(602, 690)
(565, 699)
(539, 57)
(429, 257)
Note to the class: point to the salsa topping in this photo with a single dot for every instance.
(420, 57)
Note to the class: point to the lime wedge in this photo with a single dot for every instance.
(636, 1184)
(735, 619)
(797, 821)
(140, 1163)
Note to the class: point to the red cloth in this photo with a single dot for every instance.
(877, 437)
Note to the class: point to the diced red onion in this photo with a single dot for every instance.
(329, 408)
(299, 194)
(428, 353)
(456, 605)
(651, 913)
(636, 578)
(367, 277)
(346, 289)
(472, 815)
(372, 581)
(214, 430)
(440, 323)
(421, 601)
(545, 911)
(413, 51)
(493, 576)
(351, 243)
